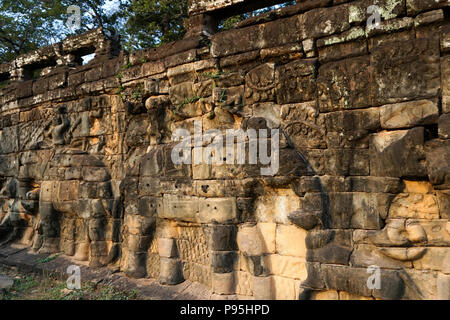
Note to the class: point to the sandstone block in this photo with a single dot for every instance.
(220, 237)
(244, 283)
(249, 240)
(325, 295)
(262, 288)
(438, 163)
(289, 267)
(291, 241)
(397, 153)
(416, 6)
(221, 210)
(167, 248)
(437, 259)
(223, 283)
(181, 208)
(296, 82)
(443, 287)
(409, 114)
(344, 85)
(388, 9)
(223, 261)
(348, 296)
(284, 288)
(95, 174)
(443, 200)
(171, 271)
(395, 80)
(445, 76)
(418, 206)
(323, 22)
(444, 126)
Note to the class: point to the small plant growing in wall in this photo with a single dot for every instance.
(127, 66)
(188, 100)
(215, 75)
(4, 83)
(223, 96)
(138, 92)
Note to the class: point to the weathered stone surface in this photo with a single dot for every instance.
(86, 162)
(444, 126)
(388, 9)
(223, 283)
(170, 271)
(223, 261)
(443, 287)
(329, 246)
(167, 248)
(414, 206)
(354, 280)
(318, 23)
(249, 241)
(284, 288)
(325, 295)
(434, 259)
(290, 267)
(397, 153)
(343, 50)
(296, 82)
(429, 17)
(305, 220)
(411, 72)
(415, 6)
(220, 237)
(344, 85)
(443, 201)
(366, 256)
(262, 287)
(409, 114)
(255, 37)
(445, 75)
(217, 210)
(437, 155)
(394, 25)
(286, 235)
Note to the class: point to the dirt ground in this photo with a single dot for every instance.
(41, 287)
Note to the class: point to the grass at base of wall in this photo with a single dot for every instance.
(35, 287)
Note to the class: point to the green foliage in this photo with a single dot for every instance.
(230, 22)
(4, 83)
(28, 24)
(24, 26)
(223, 96)
(151, 23)
(215, 75)
(188, 100)
(138, 92)
(33, 287)
(127, 66)
(48, 259)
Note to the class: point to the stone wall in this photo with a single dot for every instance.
(364, 176)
